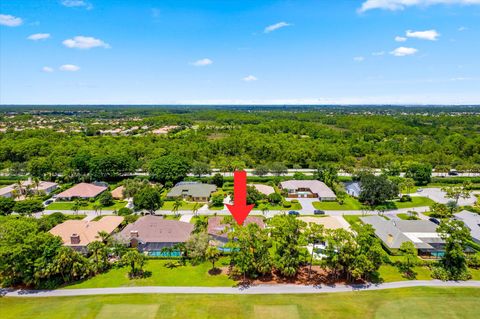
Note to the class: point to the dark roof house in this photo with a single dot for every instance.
(393, 233)
(152, 233)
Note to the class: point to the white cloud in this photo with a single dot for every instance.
(77, 3)
(431, 35)
(403, 51)
(400, 39)
(82, 42)
(394, 5)
(69, 68)
(47, 69)
(250, 78)
(462, 28)
(379, 53)
(359, 59)
(202, 62)
(38, 36)
(276, 26)
(10, 21)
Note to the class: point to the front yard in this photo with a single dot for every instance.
(349, 203)
(168, 205)
(69, 206)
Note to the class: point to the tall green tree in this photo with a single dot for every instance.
(169, 168)
(148, 199)
(421, 173)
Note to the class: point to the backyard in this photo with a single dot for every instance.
(412, 303)
(161, 276)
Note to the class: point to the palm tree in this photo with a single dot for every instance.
(36, 184)
(76, 207)
(195, 208)
(97, 207)
(201, 224)
(104, 237)
(264, 209)
(176, 205)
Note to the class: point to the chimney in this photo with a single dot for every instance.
(75, 239)
(134, 233)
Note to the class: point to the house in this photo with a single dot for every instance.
(472, 221)
(308, 189)
(117, 193)
(28, 186)
(82, 190)
(328, 222)
(79, 233)
(393, 233)
(153, 233)
(264, 189)
(192, 191)
(218, 230)
(353, 188)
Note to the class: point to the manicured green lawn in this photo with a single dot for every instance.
(295, 206)
(405, 216)
(412, 303)
(388, 273)
(349, 203)
(417, 201)
(186, 205)
(161, 276)
(69, 205)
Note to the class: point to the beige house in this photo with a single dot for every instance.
(308, 189)
(79, 233)
(117, 193)
(82, 190)
(28, 186)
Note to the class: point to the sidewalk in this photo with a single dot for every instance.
(254, 290)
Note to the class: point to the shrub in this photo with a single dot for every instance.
(287, 204)
(294, 201)
(275, 198)
(124, 211)
(405, 198)
(106, 199)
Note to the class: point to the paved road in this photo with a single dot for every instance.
(260, 289)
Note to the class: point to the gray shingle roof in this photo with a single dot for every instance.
(393, 233)
(472, 221)
(194, 190)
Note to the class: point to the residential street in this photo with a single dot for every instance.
(261, 289)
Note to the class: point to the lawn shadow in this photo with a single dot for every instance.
(214, 271)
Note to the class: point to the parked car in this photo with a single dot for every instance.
(293, 212)
(434, 220)
(453, 172)
(318, 212)
(48, 202)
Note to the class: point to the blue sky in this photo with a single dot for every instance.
(228, 52)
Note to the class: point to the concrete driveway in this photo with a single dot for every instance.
(307, 207)
(439, 196)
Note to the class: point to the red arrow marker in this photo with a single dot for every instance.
(240, 209)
